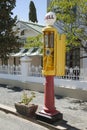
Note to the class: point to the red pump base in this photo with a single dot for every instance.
(49, 119)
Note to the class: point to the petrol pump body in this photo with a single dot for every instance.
(54, 52)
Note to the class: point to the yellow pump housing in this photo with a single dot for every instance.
(54, 52)
(60, 55)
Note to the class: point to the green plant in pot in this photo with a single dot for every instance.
(25, 107)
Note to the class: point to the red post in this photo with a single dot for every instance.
(49, 113)
(49, 104)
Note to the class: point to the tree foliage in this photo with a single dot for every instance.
(34, 41)
(32, 12)
(8, 41)
(71, 19)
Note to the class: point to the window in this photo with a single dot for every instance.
(22, 32)
(73, 58)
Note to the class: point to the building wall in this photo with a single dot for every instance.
(27, 33)
(30, 33)
(48, 1)
(36, 60)
(83, 62)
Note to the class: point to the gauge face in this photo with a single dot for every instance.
(48, 52)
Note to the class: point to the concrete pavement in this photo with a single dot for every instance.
(74, 111)
(11, 122)
(9, 114)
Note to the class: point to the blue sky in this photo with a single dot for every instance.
(22, 9)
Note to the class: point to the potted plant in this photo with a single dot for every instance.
(24, 107)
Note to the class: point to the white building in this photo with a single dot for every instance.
(23, 31)
(27, 29)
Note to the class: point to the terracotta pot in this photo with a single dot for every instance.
(26, 110)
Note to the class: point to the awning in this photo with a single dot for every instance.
(28, 52)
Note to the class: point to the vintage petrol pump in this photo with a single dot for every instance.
(53, 65)
(54, 52)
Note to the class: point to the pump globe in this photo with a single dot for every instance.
(50, 18)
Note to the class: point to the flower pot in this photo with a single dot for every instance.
(26, 110)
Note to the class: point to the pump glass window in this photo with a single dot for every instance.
(46, 40)
(51, 40)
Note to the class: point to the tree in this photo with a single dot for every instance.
(34, 41)
(32, 12)
(8, 41)
(72, 20)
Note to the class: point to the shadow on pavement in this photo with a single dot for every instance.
(17, 89)
(64, 124)
(3, 85)
(59, 97)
